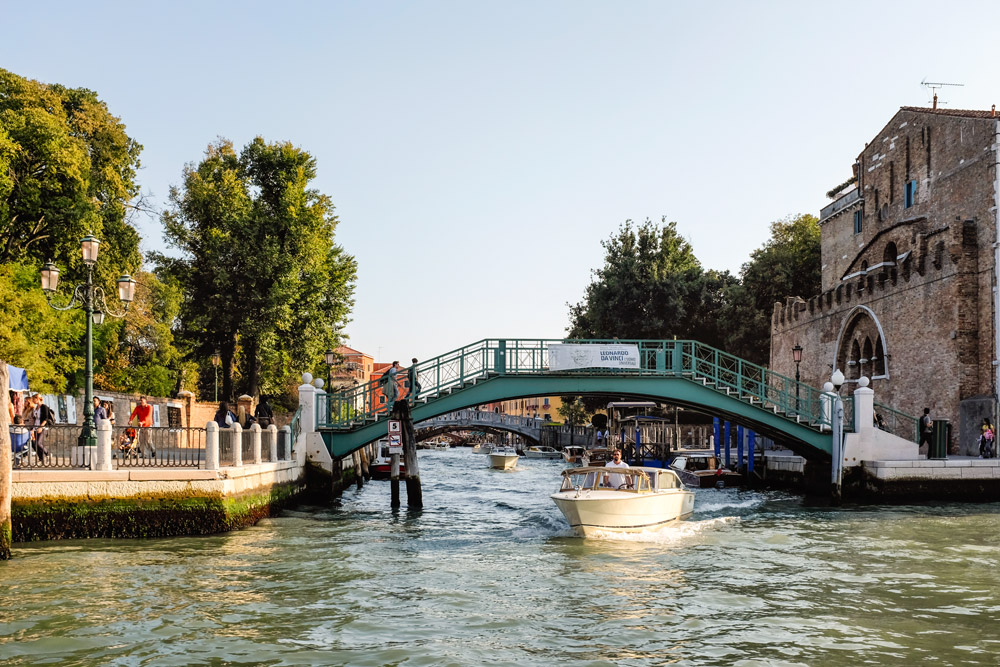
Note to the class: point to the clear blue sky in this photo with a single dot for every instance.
(489, 147)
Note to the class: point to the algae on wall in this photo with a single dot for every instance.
(164, 516)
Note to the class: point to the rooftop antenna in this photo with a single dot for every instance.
(934, 87)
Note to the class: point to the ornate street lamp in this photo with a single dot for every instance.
(92, 299)
(797, 358)
(330, 357)
(216, 360)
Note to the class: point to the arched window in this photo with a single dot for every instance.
(878, 363)
(889, 254)
(861, 338)
(853, 363)
(866, 357)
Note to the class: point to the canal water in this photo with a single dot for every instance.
(488, 574)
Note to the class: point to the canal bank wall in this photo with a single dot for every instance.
(66, 504)
(962, 479)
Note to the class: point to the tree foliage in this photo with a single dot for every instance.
(651, 286)
(67, 169)
(263, 281)
(788, 264)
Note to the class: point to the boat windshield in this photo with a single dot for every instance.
(629, 479)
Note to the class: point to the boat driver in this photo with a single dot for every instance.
(616, 479)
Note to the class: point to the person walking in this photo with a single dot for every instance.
(38, 416)
(143, 414)
(414, 380)
(224, 417)
(264, 413)
(926, 429)
(100, 413)
(987, 440)
(391, 387)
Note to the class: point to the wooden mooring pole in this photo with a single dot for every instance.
(414, 494)
(394, 482)
(6, 535)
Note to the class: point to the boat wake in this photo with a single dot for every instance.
(674, 533)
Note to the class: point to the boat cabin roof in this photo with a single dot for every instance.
(639, 478)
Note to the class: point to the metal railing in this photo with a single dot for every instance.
(246, 444)
(898, 423)
(284, 444)
(267, 436)
(51, 447)
(155, 446)
(490, 358)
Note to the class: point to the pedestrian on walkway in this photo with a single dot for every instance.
(39, 416)
(926, 428)
(143, 414)
(392, 386)
(100, 413)
(264, 413)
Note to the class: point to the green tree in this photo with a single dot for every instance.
(651, 286)
(67, 169)
(788, 264)
(263, 281)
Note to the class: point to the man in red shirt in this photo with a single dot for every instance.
(143, 413)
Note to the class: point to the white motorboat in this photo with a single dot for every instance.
(574, 454)
(482, 448)
(503, 457)
(542, 452)
(436, 444)
(598, 500)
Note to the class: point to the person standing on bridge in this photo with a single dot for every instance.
(392, 387)
(414, 380)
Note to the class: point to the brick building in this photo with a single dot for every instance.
(909, 269)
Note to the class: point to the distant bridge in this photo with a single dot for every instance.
(529, 428)
(679, 372)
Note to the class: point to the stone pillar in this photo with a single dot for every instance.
(102, 453)
(288, 441)
(864, 410)
(273, 430)
(255, 430)
(307, 401)
(237, 432)
(211, 446)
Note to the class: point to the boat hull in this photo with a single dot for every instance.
(600, 512)
(538, 453)
(503, 461)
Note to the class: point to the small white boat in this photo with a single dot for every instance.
(598, 500)
(482, 448)
(436, 444)
(542, 452)
(503, 457)
(574, 454)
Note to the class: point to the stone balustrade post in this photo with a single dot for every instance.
(864, 409)
(211, 446)
(307, 418)
(255, 431)
(289, 445)
(237, 431)
(102, 453)
(273, 430)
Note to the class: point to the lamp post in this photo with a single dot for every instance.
(216, 360)
(797, 358)
(91, 298)
(836, 445)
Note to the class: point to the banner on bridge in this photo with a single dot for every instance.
(563, 356)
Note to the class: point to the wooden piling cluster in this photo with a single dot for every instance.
(414, 494)
(6, 535)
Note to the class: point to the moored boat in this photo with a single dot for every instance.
(598, 500)
(542, 452)
(702, 471)
(573, 454)
(381, 465)
(503, 457)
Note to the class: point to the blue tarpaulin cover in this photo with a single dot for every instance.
(18, 378)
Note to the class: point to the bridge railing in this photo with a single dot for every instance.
(489, 358)
(898, 423)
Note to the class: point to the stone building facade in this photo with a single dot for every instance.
(909, 274)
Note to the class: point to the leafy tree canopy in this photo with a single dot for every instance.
(263, 281)
(651, 286)
(67, 169)
(788, 264)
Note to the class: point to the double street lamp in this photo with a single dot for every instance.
(91, 299)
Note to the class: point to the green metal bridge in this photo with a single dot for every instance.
(680, 372)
